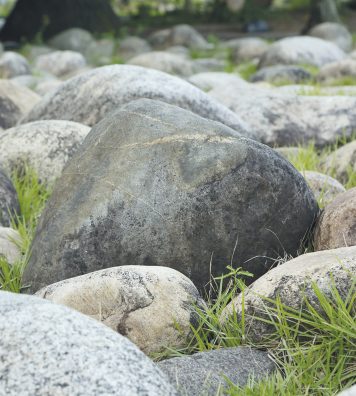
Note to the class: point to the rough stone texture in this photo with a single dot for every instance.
(47, 349)
(151, 306)
(292, 281)
(337, 70)
(45, 145)
(60, 63)
(100, 52)
(247, 49)
(336, 226)
(9, 205)
(210, 80)
(13, 64)
(74, 39)
(322, 119)
(334, 32)
(348, 392)
(204, 372)
(107, 88)
(153, 184)
(15, 102)
(282, 73)
(302, 50)
(342, 160)
(10, 240)
(165, 62)
(47, 86)
(324, 187)
(132, 46)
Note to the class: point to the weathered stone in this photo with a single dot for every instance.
(179, 50)
(100, 52)
(15, 102)
(348, 392)
(9, 204)
(152, 306)
(165, 62)
(208, 373)
(334, 32)
(48, 349)
(107, 88)
(302, 50)
(153, 184)
(160, 39)
(13, 64)
(324, 187)
(322, 119)
(209, 65)
(342, 161)
(132, 46)
(281, 74)
(74, 39)
(338, 70)
(292, 282)
(60, 63)
(44, 145)
(336, 226)
(10, 242)
(47, 86)
(210, 80)
(247, 49)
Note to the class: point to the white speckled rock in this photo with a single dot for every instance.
(15, 102)
(13, 64)
(60, 63)
(334, 32)
(336, 226)
(302, 50)
(132, 46)
(9, 204)
(210, 80)
(74, 39)
(337, 70)
(44, 145)
(89, 97)
(289, 281)
(348, 392)
(47, 86)
(10, 240)
(47, 349)
(324, 187)
(165, 62)
(152, 306)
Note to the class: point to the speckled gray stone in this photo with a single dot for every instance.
(74, 39)
(10, 242)
(132, 46)
(9, 204)
(44, 145)
(203, 373)
(13, 64)
(153, 184)
(47, 349)
(334, 32)
(88, 98)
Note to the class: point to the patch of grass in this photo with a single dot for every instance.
(246, 70)
(32, 196)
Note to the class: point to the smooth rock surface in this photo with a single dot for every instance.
(151, 306)
(47, 349)
(153, 184)
(302, 50)
(291, 281)
(9, 204)
(281, 74)
(107, 88)
(334, 32)
(10, 242)
(44, 145)
(74, 39)
(203, 373)
(348, 392)
(336, 226)
(13, 64)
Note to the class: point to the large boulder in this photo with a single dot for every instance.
(292, 282)
(208, 373)
(152, 306)
(10, 243)
(15, 102)
(48, 349)
(336, 226)
(88, 98)
(153, 184)
(13, 64)
(60, 63)
(9, 204)
(302, 50)
(44, 145)
(334, 32)
(322, 119)
(74, 39)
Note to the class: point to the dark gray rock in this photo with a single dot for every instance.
(203, 373)
(88, 98)
(334, 32)
(48, 349)
(9, 204)
(153, 184)
(282, 73)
